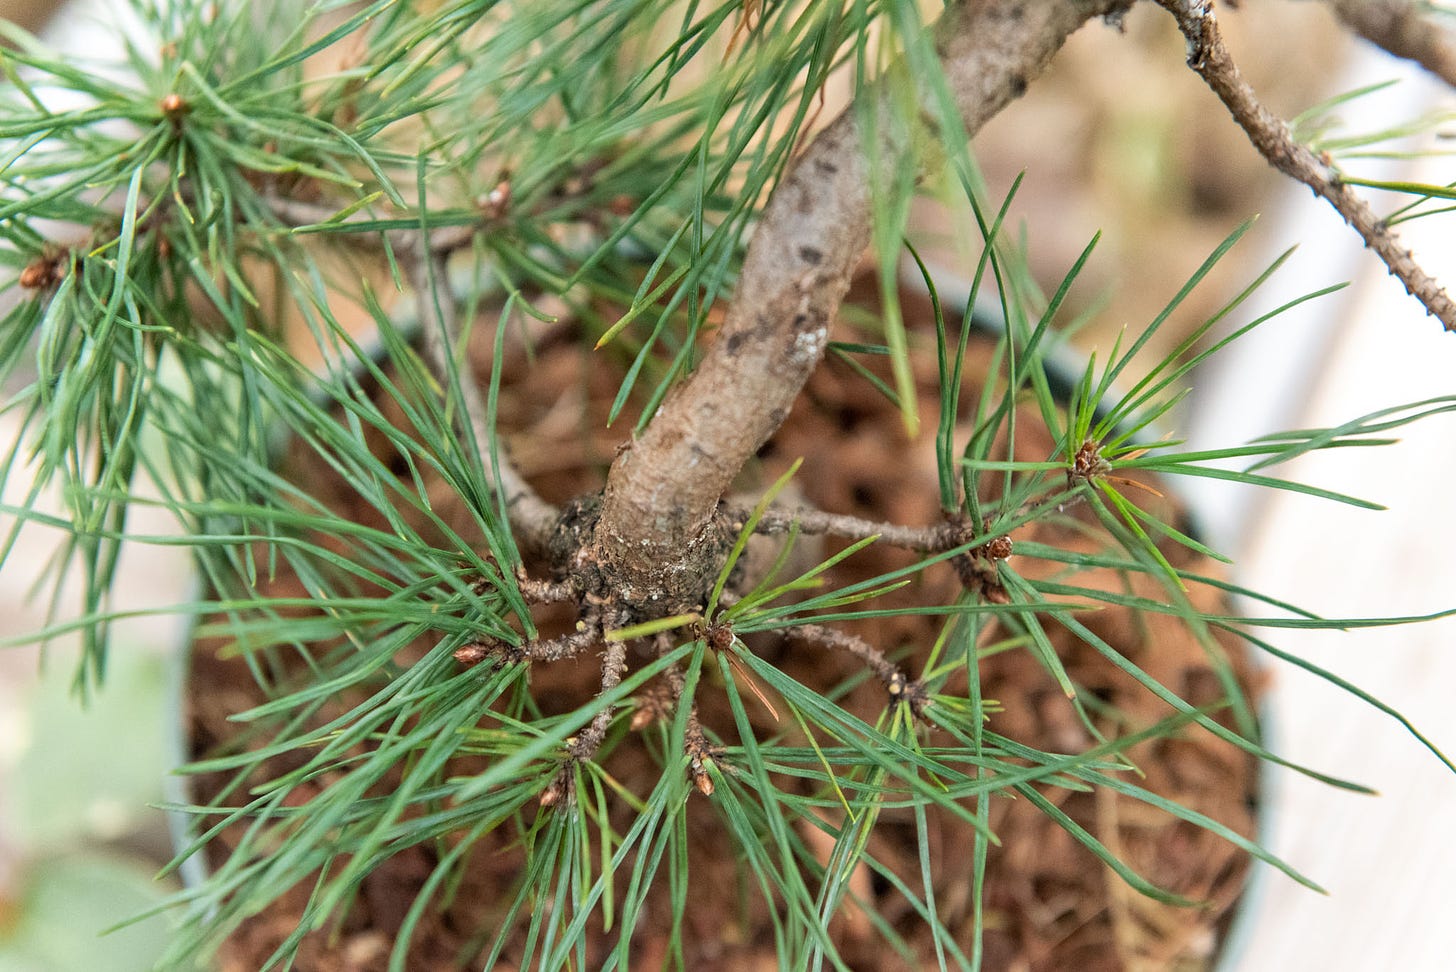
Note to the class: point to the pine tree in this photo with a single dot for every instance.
(264, 226)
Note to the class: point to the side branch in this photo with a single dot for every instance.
(811, 521)
(532, 518)
(442, 240)
(662, 492)
(1208, 56)
(899, 686)
(1406, 29)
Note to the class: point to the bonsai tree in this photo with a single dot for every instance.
(356, 224)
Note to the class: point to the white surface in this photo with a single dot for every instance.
(1389, 862)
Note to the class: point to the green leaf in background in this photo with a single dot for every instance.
(79, 776)
(62, 907)
(92, 772)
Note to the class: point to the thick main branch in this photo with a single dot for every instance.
(661, 494)
(1406, 28)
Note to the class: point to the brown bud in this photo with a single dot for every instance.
(173, 106)
(720, 637)
(473, 653)
(37, 276)
(45, 271)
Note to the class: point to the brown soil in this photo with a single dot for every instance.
(1050, 904)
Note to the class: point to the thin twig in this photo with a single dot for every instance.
(588, 634)
(695, 741)
(1405, 28)
(817, 522)
(701, 753)
(544, 591)
(900, 686)
(532, 518)
(614, 666)
(585, 744)
(442, 240)
(1208, 56)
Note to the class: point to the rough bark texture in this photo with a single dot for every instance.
(653, 537)
(1406, 28)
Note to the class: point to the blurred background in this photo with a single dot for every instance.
(1118, 137)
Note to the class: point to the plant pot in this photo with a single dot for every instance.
(1038, 884)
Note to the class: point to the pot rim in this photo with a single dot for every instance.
(1064, 371)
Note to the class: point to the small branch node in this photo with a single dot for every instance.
(977, 567)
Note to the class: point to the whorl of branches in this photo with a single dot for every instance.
(651, 542)
(662, 492)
